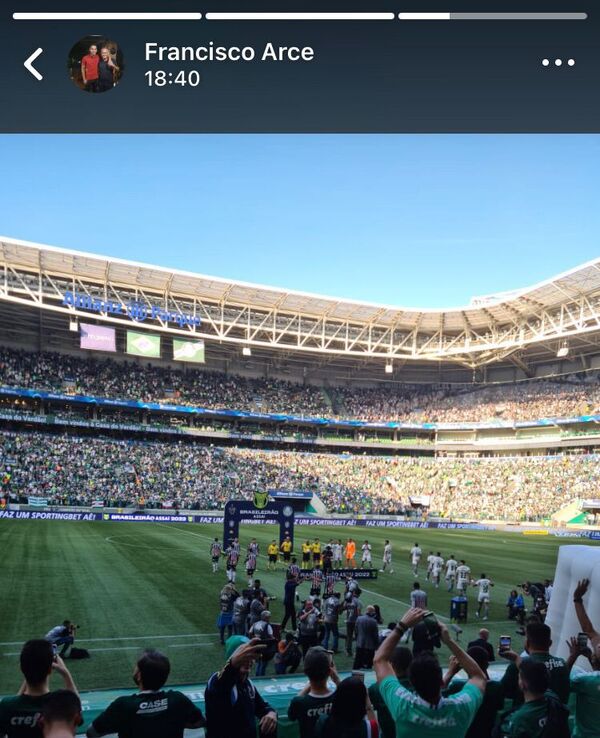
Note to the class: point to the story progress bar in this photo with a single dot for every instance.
(290, 16)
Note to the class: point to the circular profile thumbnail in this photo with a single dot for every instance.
(95, 64)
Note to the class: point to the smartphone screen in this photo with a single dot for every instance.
(504, 643)
(264, 263)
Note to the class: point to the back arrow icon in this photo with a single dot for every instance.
(28, 64)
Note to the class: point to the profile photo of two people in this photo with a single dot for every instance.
(95, 64)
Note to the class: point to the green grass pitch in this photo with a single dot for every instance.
(135, 585)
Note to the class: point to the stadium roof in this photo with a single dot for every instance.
(488, 330)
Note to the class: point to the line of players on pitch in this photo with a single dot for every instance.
(320, 562)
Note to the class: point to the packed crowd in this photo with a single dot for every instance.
(524, 401)
(402, 402)
(411, 695)
(70, 470)
(134, 381)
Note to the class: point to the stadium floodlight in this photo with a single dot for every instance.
(246, 351)
(389, 368)
(563, 351)
(73, 326)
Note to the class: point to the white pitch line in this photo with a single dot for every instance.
(133, 648)
(126, 638)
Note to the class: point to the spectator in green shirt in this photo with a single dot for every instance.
(493, 698)
(61, 714)
(537, 645)
(424, 712)
(586, 685)
(316, 698)
(153, 712)
(20, 716)
(400, 662)
(541, 712)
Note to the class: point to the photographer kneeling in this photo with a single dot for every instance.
(62, 635)
(288, 655)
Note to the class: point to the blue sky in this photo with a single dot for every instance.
(422, 221)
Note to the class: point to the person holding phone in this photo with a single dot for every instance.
(38, 663)
(538, 641)
(425, 712)
(586, 685)
(316, 697)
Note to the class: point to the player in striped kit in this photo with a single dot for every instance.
(294, 569)
(216, 549)
(316, 580)
(233, 557)
(330, 580)
(250, 566)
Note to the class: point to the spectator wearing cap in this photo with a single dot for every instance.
(400, 662)
(61, 714)
(425, 712)
(23, 711)
(234, 706)
(367, 639)
(316, 698)
(484, 642)
(152, 712)
(493, 698)
(351, 714)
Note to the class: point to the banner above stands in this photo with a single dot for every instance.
(281, 418)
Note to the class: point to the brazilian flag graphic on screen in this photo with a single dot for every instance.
(188, 351)
(261, 499)
(143, 344)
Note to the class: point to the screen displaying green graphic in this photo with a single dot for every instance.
(188, 351)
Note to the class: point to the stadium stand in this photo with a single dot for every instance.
(407, 402)
(71, 470)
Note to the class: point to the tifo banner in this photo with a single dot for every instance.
(143, 344)
(37, 501)
(97, 337)
(188, 351)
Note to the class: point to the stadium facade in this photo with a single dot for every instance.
(546, 331)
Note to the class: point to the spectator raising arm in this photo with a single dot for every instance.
(582, 616)
(383, 656)
(474, 671)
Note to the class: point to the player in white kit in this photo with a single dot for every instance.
(451, 565)
(430, 560)
(415, 558)
(483, 597)
(387, 557)
(463, 576)
(366, 555)
(338, 551)
(436, 569)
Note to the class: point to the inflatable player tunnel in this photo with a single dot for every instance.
(574, 563)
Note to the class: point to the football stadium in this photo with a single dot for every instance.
(187, 461)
